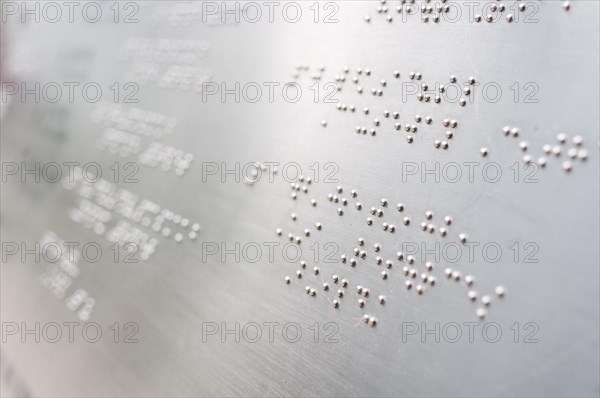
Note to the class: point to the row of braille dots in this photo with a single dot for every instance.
(315, 74)
(389, 264)
(445, 8)
(425, 9)
(167, 215)
(472, 295)
(421, 96)
(556, 150)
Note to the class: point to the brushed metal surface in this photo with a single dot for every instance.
(173, 293)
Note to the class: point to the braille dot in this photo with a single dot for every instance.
(429, 266)
(420, 289)
(429, 214)
(307, 289)
(313, 202)
(369, 221)
(406, 221)
(408, 284)
(396, 74)
(335, 303)
(344, 283)
(562, 138)
(384, 275)
(572, 153)
(577, 140)
(452, 79)
(424, 226)
(567, 166)
(313, 292)
(361, 303)
(462, 102)
(462, 237)
(323, 123)
(373, 321)
(443, 231)
(500, 291)
(456, 275)
(392, 228)
(400, 207)
(480, 313)
(319, 226)
(509, 18)
(567, 5)
(287, 280)
(556, 151)
(514, 132)
(486, 300)
(278, 231)
(365, 292)
(523, 145)
(352, 262)
(335, 278)
(409, 139)
(316, 270)
(378, 260)
(293, 216)
(582, 154)
(384, 226)
(299, 274)
(307, 232)
(340, 211)
(472, 295)
(448, 272)
(381, 299)
(437, 143)
(527, 159)
(410, 259)
(430, 228)
(389, 264)
(478, 18)
(469, 280)
(484, 152)
(376, 247)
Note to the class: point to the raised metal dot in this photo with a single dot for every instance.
(480, 313)
(500, 291)
(462, 237)
(316, 270)
(509, 18)
(358, 206)
(307, 232)
(340, 211)
(343, 258)
(381, 299)
(376, 247)
(287, 280)
(410, 259)
(443, 231)
(429, 214)
(523, 145)
(378, 260)
(369, 221)
(456, 275)
(469, 280)
(384, 275)
(319, 226)
(335, 303)
(365, 292)
(278, 231)
(486, 300)
(385, 226)
(420, 289)
(582, 154)
(448, 272)
(405, 270)
(562, 138)
(408, 284)
(389, 264)
(299, 274)
(567, 166)
(406, 221)
(361, 303)
(572, 153)
(578, 140)
(400, 207)
(472, 295)
(353, 262)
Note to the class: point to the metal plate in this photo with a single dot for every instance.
(186, 132)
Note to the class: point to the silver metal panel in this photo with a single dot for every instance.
(528, 237)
